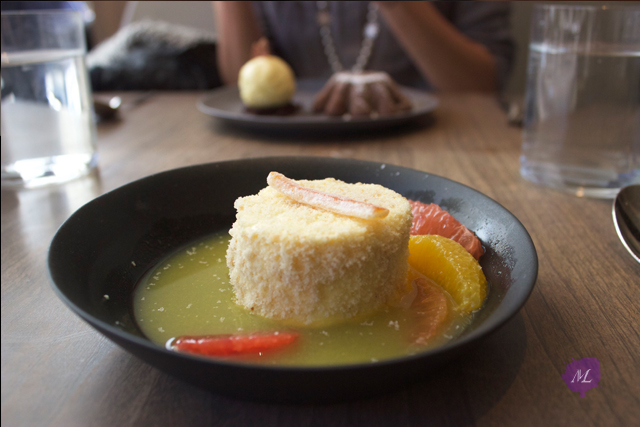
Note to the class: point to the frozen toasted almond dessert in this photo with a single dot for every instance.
(318, 252)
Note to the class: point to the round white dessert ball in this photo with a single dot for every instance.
(266, 81)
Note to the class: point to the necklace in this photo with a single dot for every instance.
(371, 30)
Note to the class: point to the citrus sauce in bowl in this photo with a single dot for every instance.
(189, 293)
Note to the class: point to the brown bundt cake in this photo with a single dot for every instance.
(365, 94)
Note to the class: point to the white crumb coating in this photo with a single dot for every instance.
(308, 266)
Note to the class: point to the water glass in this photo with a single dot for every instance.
(582, 106)
(48, 127)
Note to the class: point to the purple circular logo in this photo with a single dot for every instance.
(582, 375)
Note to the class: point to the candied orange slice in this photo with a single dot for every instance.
(430, 310)
(327, 201)
(449, 265)
(229, 345)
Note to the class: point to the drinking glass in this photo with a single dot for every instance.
(582, 106)
(48, 127)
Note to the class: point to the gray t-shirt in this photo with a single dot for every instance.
(294, 34)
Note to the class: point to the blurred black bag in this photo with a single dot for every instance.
(154, 55)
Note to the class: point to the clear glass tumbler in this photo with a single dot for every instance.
(582, 105)
(48, 127)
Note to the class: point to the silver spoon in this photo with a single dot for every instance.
(106, 109)
(626, 217)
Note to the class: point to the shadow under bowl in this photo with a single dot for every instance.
(107, 245)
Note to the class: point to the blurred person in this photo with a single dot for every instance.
(444, 46)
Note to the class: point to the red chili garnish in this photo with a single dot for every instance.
(229, 345)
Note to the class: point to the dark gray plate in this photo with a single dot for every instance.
(107, 245)
(225, 104)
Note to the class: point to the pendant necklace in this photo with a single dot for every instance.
(370, 32)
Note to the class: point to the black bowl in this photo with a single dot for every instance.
(107, 245)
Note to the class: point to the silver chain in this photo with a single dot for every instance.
(370, 32)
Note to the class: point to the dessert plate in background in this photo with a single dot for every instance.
(103, 250)
(225, 104)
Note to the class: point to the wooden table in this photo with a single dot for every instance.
(58, 371)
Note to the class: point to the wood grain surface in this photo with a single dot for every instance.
(57, 371)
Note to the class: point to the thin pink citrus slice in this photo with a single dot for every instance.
(327, 201)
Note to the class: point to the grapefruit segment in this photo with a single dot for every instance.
(431, 219)
(430, 310)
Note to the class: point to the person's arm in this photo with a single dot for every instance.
(446, 57)
(237, 30)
